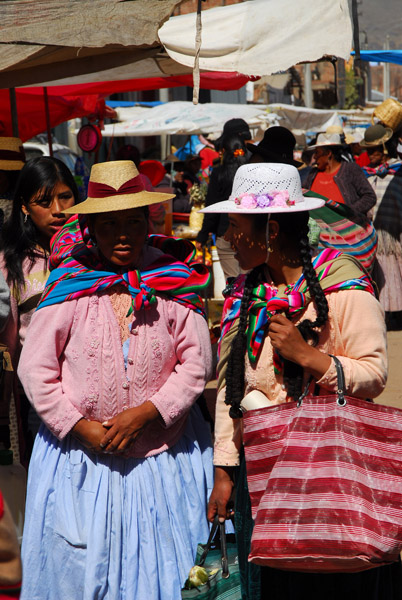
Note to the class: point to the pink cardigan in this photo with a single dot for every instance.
(72, 366)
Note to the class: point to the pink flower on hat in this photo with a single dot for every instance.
(247, 201)
(280, 198)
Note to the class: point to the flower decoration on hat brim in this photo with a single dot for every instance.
(268, 199)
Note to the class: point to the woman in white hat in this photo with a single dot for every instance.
(281, 323)
(341, 181)
(116, 355)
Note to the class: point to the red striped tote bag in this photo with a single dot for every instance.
(325, 482)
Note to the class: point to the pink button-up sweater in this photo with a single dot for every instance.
(72, 366)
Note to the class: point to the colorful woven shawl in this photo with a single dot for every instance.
(382, 170)
(335, 271)
(76, 271)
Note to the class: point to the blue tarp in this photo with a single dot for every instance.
(116, 103)
(389, 56)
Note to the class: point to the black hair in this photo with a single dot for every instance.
(337, 151)
(392, 144)
(19, 237)
(129, 152)
(293, 227)
(231, 161)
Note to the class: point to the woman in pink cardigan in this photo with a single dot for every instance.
(114, 360)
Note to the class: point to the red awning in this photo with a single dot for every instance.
(80, 100)
(208, 81)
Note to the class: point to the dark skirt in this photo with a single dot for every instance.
(264, 583)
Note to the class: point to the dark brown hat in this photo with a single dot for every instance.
(376, 135)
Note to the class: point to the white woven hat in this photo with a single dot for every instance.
(266, 188)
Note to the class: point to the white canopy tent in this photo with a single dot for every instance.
(185, 118)
(182, 118)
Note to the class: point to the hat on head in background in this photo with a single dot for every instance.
(353, 138)
(327, 139)
(260, 188)
(12, 155)
(335, 129)
(234, 127)
(153, 169)
(277, 145)
(376, 135)
(116, 185)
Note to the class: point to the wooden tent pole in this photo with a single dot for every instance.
(14, 113)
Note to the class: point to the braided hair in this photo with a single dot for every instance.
(294, 227)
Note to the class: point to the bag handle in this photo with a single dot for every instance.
(224, 550)
(340, 392)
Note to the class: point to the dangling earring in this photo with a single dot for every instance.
(269, 248)
(93, 242)
(25, 218)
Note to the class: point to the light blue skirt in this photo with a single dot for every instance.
(109, 528)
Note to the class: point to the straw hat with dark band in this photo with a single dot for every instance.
(12, 155)
(116, 185)
(376, 135)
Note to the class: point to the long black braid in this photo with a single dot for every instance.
(292, 372)
(292, 226)
(235, 368)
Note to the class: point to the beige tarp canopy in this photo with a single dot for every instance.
(47, 40)
(52, 42)
(261, 37)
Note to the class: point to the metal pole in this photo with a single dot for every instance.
(308, 92)
(357, 60)
(48, 128)
(164, 97)
(386, 71)
(14, 112)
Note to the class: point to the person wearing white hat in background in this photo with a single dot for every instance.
(276, 351)
(337, 179)
(114, 360)
(353, 141)
(384, 174)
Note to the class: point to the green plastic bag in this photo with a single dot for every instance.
(224, 584)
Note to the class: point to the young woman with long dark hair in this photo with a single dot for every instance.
(44, 189)
(281, 323)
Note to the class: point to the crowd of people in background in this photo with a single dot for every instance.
(108, 340)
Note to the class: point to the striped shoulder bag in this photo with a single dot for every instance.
(325, 482)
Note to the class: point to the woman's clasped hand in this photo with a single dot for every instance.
(117, 433)
(124, 428)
